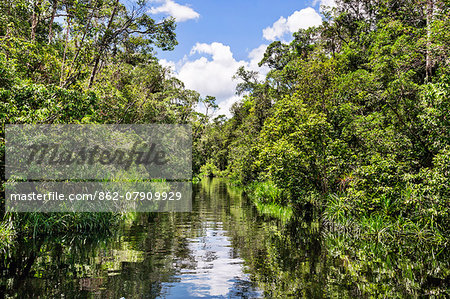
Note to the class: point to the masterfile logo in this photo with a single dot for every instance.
(97, 152)
(98, 168)
(50, 154)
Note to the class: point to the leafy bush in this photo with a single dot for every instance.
(209, 170)
(268, 192)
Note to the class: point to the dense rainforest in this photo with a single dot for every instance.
(350, 126)
(352, 122)
(352, 118)
(85, 62)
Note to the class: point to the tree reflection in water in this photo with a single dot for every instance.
(223, 248)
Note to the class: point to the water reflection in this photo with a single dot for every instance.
(222, 249)
(153, 255)
(213, 269)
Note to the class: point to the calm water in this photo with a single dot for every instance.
(223, 249)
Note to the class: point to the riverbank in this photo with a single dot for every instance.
(405, 249)
(16, 226)
(224, 248)
(338, 213)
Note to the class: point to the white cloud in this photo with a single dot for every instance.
(278, 29)
(220, 52)
(225, 105)
(180, 12)
(211, 74)
(303, 19)
(168, 64)
(328, 3)
(218, 270)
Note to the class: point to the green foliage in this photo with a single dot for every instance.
(62, 223)
(357, 107)
(80, 62)
(353, 115)
(281, 212)
(293, 148)
(268, 192)
(7, 235)
(209, 170)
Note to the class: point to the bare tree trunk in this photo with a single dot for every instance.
(50, 26)
(71, 71)
(35, 19)
(428, 60)
(103, 44)
(65, 51)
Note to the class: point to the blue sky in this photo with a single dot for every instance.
(217, 36)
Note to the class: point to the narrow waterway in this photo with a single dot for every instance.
(222, 249)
